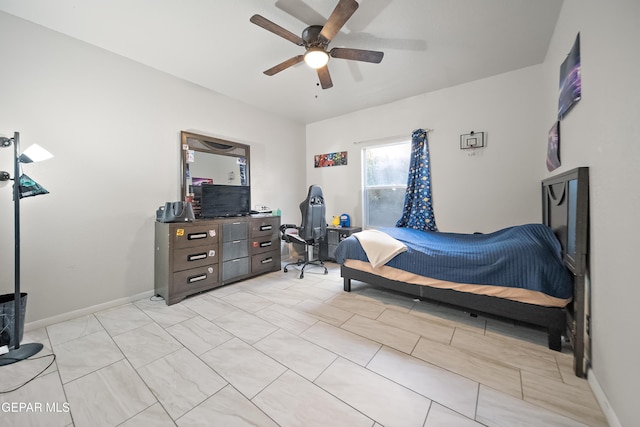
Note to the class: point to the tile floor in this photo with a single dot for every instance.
(277, 350)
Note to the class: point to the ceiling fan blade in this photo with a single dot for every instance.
(325, 77)
(276, 29)
(357, 54)
(338, 18)
(284, 65)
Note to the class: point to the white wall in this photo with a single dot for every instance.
(114, 128)
(602, 132)
(495, 188)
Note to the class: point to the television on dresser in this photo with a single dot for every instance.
(219, 201)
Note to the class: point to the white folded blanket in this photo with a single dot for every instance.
(379, 247)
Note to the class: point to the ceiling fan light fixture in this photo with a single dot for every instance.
(316, 57)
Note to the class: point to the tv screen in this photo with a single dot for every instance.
(224, 200)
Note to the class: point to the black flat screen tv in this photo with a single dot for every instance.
(219, 200)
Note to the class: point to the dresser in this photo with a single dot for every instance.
(205, 254)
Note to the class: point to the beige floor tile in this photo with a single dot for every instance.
(291, 400)
(181, 381)
(440, 416)
(286, 318)
(203, 342)
(276, 296)
(152, 416)
(208, 306)
(398, 301)
(108, 397)
(344, 343)
(388, 335)
(325, 312)
(73, 329)
(308, 291)
(146, 344)
(226, 408)
(13, 376)
(245, 326)
(303, 357)
(44, 400)
(199, 334)
(163, 314)
(16, 374)
(123, 319)
(361, 389)
(485, 371)
(500, 410)
(509, 351)
(247, 301)
(442, 386)
(527, 335)
(84, 355)
(362, 306)
(427, 327)
(573, 401)
(246, 368)
(565, 363)
(450, 315)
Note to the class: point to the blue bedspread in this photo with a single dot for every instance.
(525, 256)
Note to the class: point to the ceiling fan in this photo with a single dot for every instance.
(315, 40)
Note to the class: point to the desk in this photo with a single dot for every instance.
(334, 236)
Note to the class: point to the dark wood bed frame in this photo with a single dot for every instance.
(565, 208)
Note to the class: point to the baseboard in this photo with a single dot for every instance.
(85, 311)
(611, 416)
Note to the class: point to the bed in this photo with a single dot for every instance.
(494, 273)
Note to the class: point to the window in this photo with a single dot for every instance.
(385, 170)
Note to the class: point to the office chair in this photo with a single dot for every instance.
(312, 229)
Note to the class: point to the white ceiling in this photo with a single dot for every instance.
(428, 44)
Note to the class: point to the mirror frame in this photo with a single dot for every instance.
(210, 145)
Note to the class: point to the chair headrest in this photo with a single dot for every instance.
(315, 196)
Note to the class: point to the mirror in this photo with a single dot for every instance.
(211, 160)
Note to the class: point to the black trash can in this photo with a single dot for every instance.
(7, 318)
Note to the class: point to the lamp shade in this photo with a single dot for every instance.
(34, 153)
(30, 188)
(316, 57)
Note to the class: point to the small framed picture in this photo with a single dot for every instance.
(553, 147)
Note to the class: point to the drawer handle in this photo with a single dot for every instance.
(266, 227)
(266, 260)
(235, 242)
(197, 278)
(196, 257)
(196, 236)
(265, 244)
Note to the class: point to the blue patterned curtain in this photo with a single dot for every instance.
(418, 208)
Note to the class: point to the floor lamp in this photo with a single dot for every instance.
(32, 154)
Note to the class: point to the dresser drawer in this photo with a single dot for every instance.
(194, 235)
(235, 231)
(235, 268)
(199, 256)
(264, 226)
(267, 261)
(195, 279)
(265, 244)
(235, 249)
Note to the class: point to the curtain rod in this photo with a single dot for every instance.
(388, 138)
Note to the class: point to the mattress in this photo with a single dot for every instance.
(524, 260)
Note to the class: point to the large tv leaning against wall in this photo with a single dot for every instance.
(218, 201)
